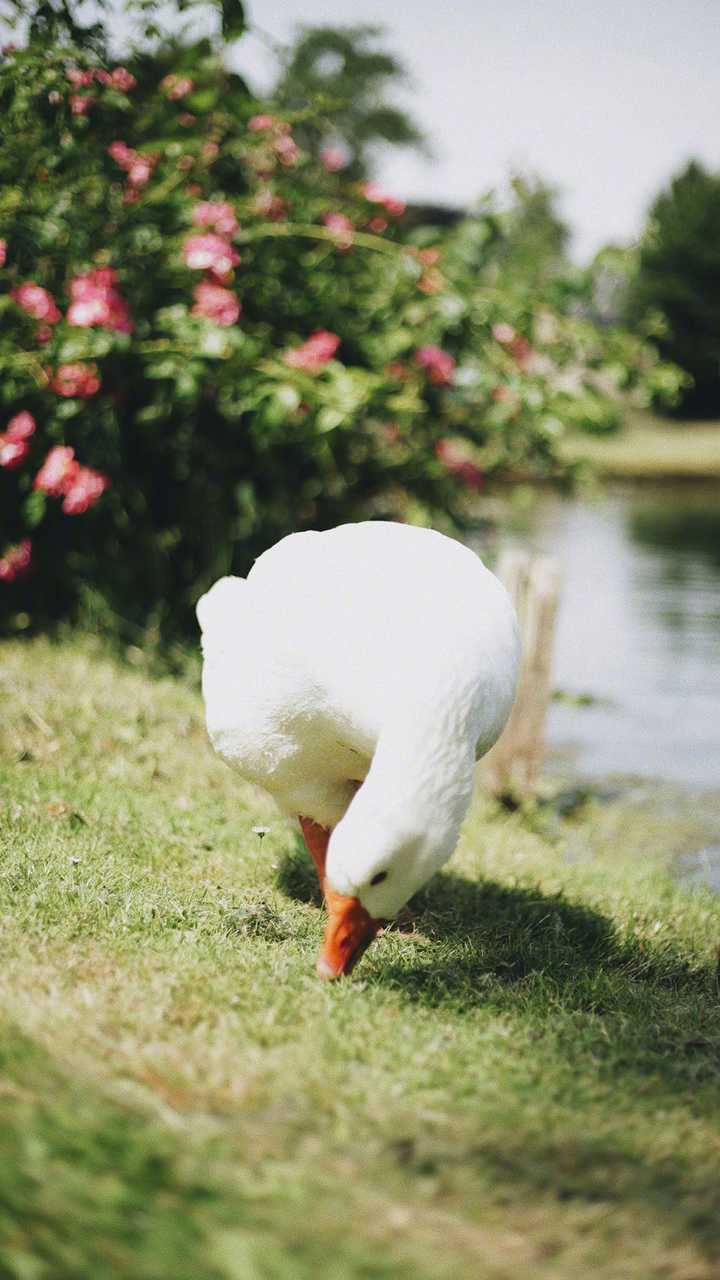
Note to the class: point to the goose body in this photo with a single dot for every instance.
(356, 675)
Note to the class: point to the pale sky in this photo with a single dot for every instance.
(605, 98)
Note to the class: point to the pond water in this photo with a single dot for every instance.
(638, 629)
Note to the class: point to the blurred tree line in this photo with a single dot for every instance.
(674, 289)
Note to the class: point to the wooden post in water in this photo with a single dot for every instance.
(514, 763)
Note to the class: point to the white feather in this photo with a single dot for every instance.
(373, 651)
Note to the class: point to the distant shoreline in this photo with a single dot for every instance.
(651, 448)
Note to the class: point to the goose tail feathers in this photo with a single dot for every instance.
(223, 604)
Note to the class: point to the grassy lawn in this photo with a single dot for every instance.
(525, 1085)
(650, 447)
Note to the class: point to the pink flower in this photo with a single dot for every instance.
(80, 380)
(458, 465)
(103, 77)
(138, 166)
(218, 277)
(341, 228)
(140, 170)
(80, 79)
(287, 150)
(429, 257)
(98, 278)
(216, 303)
(258, 123)
(521, 350)
(122, 79)
(395, 208)
(3, 252)
(122, 154)
(12, 452)
(186, 119)
(57, 471)
(62, 476)
(218, 214)
(89, 312)
(438, 364)
(43, 334)
(21, 427)
(14, 446)
(268, 205)
(16, 561)
(518, 345)
(378, 225)
(373, 192)
(79, 105)
(177, 87)
(209, 252)
(313, 354)
(95, 300)
(36, 301)
(83, 490)
(209, 150)
(333, 159)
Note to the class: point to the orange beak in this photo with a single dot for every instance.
(350, 930)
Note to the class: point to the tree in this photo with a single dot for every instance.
(535, 237)
(676, 290)
(339, 78)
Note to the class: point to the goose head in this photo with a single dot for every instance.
(372, 870)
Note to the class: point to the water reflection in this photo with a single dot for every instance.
(680, 524)
(638, 628)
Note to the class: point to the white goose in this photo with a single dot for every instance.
(377, 654)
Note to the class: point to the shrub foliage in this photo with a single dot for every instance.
(209, 338)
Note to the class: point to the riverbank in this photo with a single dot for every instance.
(649, 447)
(524, 1083)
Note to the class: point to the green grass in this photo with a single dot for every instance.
(649, 447)
(527, 1084)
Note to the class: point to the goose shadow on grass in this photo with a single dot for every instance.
(487, 938)
(642, 1019)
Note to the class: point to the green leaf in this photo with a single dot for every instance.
(214, 343)
(69, 409)
(34, 508)
(288, 397)
(203, 101)
(328, 419)
(87, 344)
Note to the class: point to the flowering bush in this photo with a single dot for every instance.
(208, 340)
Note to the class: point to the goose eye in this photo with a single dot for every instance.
(378, 879)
